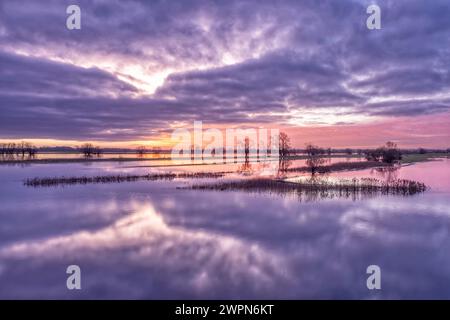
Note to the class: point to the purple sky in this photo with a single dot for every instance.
(138, 69)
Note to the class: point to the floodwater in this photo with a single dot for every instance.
(150, 240)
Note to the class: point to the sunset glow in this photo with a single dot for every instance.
(119, 86)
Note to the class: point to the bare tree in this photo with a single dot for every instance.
(10, 148)
(22, 148)
(30, 149)
(97, 151)
(284, 145)
(88, 149)
(141, 150)
(391, 153)
(246, 167)
(247, 148)
(388, 153)
(314, 158)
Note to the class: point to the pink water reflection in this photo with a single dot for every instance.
(435, 174)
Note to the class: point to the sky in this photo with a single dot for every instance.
(138, 70)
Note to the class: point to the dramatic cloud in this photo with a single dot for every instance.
(137, 68)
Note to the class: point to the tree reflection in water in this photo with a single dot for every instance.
(388, 174)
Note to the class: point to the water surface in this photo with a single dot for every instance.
(152, 240)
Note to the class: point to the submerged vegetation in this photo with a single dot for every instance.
(386, 158)
(313, 184)
(341, 187)
(339, 166)
(49, 182)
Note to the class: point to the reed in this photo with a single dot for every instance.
(341, 166)
(48, 182)
(342, 187)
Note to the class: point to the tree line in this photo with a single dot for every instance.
(89, 150)
(22, 148)
(389, 153)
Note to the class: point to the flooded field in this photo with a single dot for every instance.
(157, 239)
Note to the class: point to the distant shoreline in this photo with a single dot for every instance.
(104, 158)
(407, 158)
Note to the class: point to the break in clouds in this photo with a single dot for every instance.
(136, 67)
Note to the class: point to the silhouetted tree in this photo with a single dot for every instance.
(11, 148)
(314, 159)
(374, 155)
(246, 167)
(284, 145)
(141, 150)
(388, 153)
(22, 148)
(391, 153)
(97, 151)
(30, 149)
(283, 166)
(247, 148)
(422, 151)
(88, 149)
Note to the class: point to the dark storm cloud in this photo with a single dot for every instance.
(26, 76)
(158, 31)
(51, 99)
(286, 56)
(408, 108)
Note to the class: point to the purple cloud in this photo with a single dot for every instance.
(220, 62)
